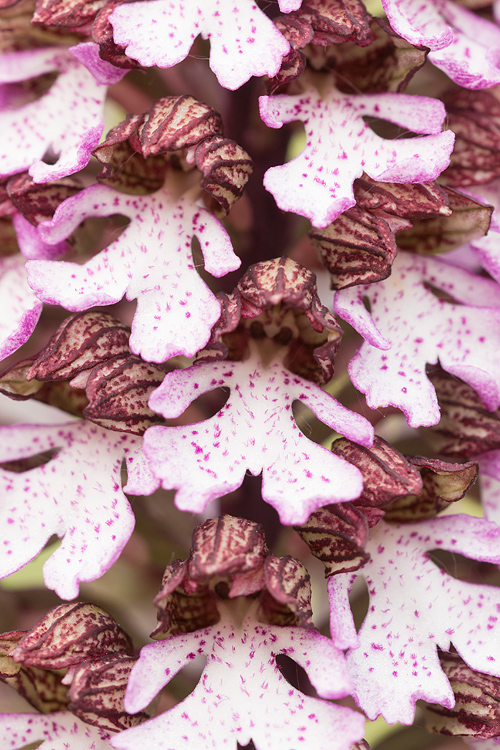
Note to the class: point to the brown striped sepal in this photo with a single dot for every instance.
(277, 299)
(474, 116)
(97, 691)
(229, 558)
(337, 535)
(118, 393)
(386, 65)
(466, 427)
(43, 689)
(387, 475)
(70, 634)
(183, 131)
(469, 220)
(477, 709)
(80, 343)
(38, 202)
(357, 248)
(443, 483)
(423, 200)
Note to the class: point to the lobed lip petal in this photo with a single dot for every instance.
(414, 326)
(241, 680)
(151, 261)
(68, 118)
(243, 41)
(93, 517)
(318, 184)
(254, 431)
(57, 731)
(428, 609)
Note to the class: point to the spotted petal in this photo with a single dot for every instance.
(242, 695)
(414, 608)
(341, 146)
(67, 119)
(410, 326)
(255, 431)
(57, 731)
(243, 41)
(77, 495)
(151, 261)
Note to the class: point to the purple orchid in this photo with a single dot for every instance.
(77, 495)
(255, 431)
(410, 326)
(242, 685)
(341, 146)
(67, 119)
(243, 41)
(414, 608)
(151, 261)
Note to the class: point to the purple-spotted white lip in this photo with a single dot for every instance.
(414, 609)
(255, 431)
(67, 119)
(409, 327)
(244, 42)
(57, 731)
(151, 261)
(77, 495)
(340, 146)
(241, 694)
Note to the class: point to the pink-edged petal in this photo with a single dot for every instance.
(30, 244)
(341, 146)
(255, 431)
(56, 731)
(419, 22)
(416, 608)
(19, 307)
(242, 695)
(243, 41)
(67, 119)
(151, 261)
(421, 329)
(76, 495)
(104, 72)
(472, 59)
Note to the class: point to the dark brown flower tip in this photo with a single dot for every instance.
(474, 116)
(337, 535)
(38, 202)
(82, 341)
(177, 122)
(298, 32)
(477, 708)
(277, 299)
(336, 21)
(14, 384)
(226, 168)
(469, 219)
(42, 689)
(361, 745)
(68, 635)
(466, 427)
(97, 692)
(118, 392)
(286, 600)
(424, 200)
(443, 484)
(357, 248)
(67, 13)
(229, 558)
(102, 34)
(387, 64)
(387, 474)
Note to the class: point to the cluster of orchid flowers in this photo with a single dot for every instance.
(393, 200)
